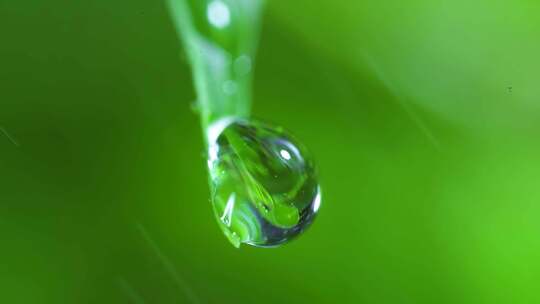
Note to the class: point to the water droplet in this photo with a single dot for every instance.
(269, 193)
(229, 87)
(242, 65)
(218, 14)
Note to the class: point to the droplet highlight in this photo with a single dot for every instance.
(218, 14)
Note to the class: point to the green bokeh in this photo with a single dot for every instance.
(424, 117)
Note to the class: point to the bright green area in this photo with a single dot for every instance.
(423, 117)
(219, 39)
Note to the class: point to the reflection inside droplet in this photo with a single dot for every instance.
(317, 201)
(218, 14)
(227, 214)
(265, 186)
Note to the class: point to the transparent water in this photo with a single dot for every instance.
(265, 189)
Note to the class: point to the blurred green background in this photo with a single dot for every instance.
(424, 117)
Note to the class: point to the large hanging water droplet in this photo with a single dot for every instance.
(265, 187)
